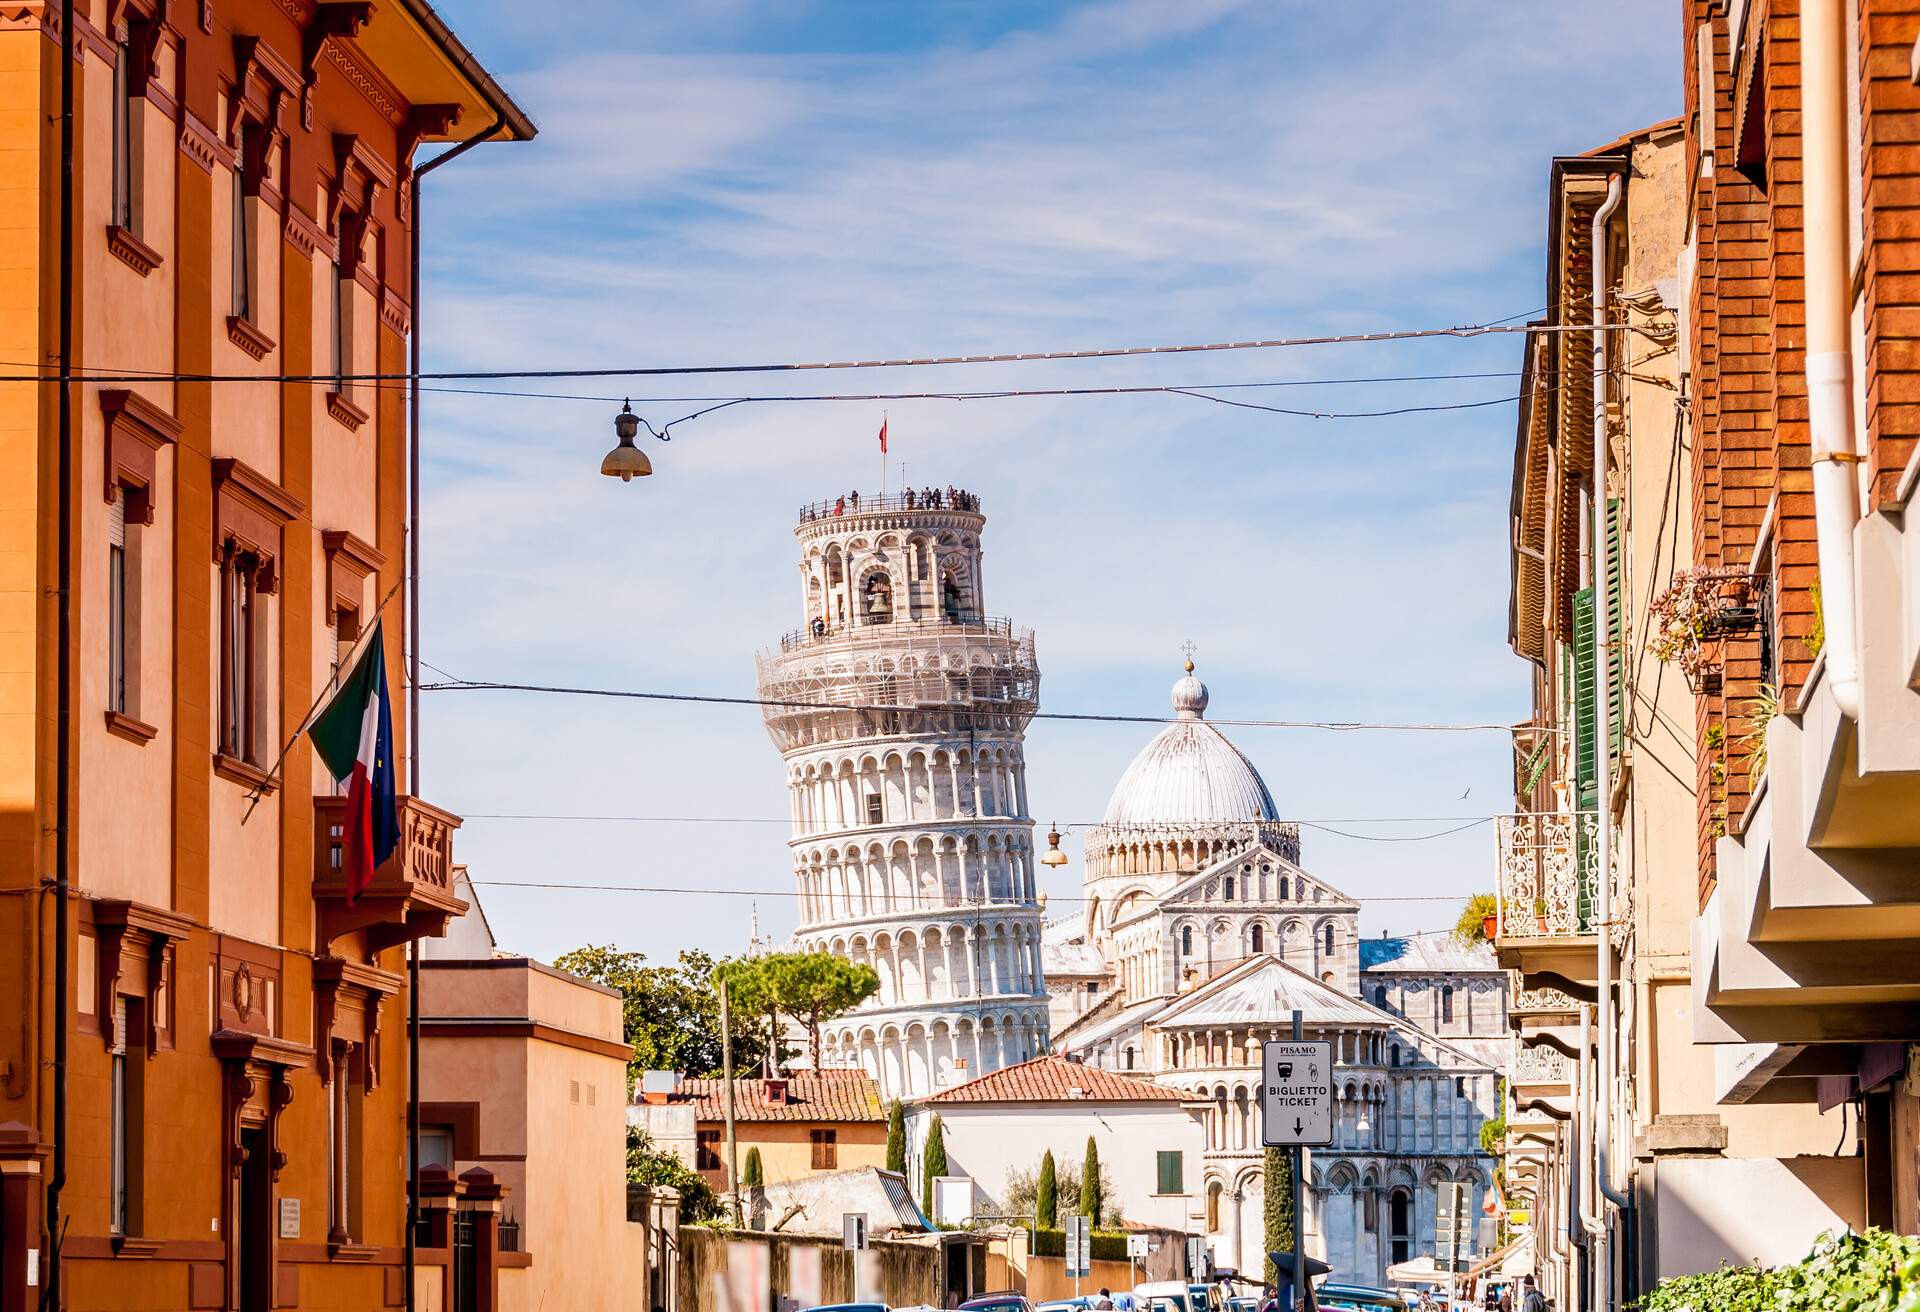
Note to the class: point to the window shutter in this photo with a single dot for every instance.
(1171, 1173)
(1583, 699)
(1616, 637)
(117, 518)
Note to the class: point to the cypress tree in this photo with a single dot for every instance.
(1279, 1200)
(1090, 1185)
(755, 1175)
(897, 1138)
(1046, 1195)
(933, 1165)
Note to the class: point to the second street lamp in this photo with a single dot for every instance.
(626, 461)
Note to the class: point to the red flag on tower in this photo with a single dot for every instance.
(883, 434)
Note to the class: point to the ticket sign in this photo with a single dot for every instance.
(1296, 1093)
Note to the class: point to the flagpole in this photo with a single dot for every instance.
(326, 693)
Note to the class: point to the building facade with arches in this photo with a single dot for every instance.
(1213, 934)
(900, 708)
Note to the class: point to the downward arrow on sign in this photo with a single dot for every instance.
(1298, 1128)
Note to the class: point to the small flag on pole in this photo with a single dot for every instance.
(353, 734)
(883, 434)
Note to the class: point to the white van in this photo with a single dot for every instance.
(1165, 1296)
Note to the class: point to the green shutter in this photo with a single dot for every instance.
(1584, 771)
(1172, 1174)
(1616, 637)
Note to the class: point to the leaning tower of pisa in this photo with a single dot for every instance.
(900, 707)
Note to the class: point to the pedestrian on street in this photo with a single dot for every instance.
(1103, 1301)
(1531, 1299)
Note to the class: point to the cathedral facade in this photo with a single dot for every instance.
(1202, 934)
(900, 708)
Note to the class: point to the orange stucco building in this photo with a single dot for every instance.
(235, 1078)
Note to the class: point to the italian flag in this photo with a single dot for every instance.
(353, 733)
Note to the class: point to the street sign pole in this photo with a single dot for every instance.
(1296, 1112)
(1300, 1281)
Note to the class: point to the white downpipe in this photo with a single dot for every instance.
(1829, 284)
(1586, 1108)
(1601, 1090)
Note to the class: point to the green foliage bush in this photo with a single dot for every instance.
(1877, 1271)
(1108, 1245)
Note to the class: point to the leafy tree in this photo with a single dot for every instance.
(1046, 1204)
(1493, 1131)
(671, 1013)
(650, 1165)
(897, 1138)
(750, 994)
(754, 1175)
(813, 987)
(933, 1163)
(1279, 1200)
(1022, 1196)
(1090, 1181)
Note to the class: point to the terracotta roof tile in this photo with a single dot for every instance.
(1053, 1079)
(833, 1095)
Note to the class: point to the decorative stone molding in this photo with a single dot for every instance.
(350, 562)
(135, 952)
(134, 731)
(347, 997)
(345, 413)
(250, 512)
(136, 430)
(131, 251)
(249, 338)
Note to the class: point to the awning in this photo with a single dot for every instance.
(1420, 1271)
(1516, 1259)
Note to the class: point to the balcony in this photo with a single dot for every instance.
(411, 895)
(1548, 918)
(1537, 1070)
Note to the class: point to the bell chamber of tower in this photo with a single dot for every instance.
(900, 707)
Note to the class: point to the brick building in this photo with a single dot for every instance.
(229, 1043)
(1803, 346)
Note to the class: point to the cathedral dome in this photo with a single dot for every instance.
(1189, 773)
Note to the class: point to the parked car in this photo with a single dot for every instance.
(1006, 1300)
(850, 1307)
(1206, 1298)
(1079, 1304)
(1361, 1298)
(1244, 1303)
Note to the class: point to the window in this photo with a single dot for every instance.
(826, 1149)
(876, 809)
(1400, 1222)
(1380, 996)
(1459, 1086)
(1093, 987)
(340, 324)
(1259, 939)
(123, 136)
(1229, 888)
(706, 1150)
(124, 1131)
(1170, 1174)
(343, 1143)
(1284, 895)
(1446, 1004)
(1329, 940)
(242, 227)
(240, 698)
(1393, 1055)
(117, 628)
(1186, 941)
(436, 1146)
(1129, 1057)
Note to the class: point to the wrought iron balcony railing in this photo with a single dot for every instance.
(1548, 868)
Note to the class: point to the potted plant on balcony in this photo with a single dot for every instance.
(1692, 620)
(1479, 919)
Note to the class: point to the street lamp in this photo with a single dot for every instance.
(1053, 855)
(626, 461)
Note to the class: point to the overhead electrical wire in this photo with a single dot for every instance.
(1473, 822)
(896, 904)
(1458, 331)
(1343, 726)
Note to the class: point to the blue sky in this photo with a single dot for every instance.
(740, 181)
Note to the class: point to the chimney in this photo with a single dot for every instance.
(657, 1087)
(776, 1091)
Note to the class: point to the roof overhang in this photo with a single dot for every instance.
(415, 49)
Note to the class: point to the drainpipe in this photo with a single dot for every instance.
(1600, 1123)
(1830, 418)
(413, 662)
(63, 682)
